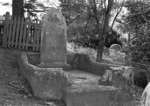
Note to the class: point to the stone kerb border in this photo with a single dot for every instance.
(46, 83)
(82, 62)
(50, 83)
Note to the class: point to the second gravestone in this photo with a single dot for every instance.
(53, 40)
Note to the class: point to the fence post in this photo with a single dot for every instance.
(6, 23)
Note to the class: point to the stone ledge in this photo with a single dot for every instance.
(89, 95)
(64, 66)
(46, 83)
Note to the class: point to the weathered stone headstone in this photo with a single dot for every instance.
(116, 47)
(53, 40)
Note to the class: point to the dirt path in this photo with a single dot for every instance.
(13, 90)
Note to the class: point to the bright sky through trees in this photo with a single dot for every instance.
(4, 9)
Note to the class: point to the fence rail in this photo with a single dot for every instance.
(21, 33)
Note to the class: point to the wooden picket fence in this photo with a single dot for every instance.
(21, 33)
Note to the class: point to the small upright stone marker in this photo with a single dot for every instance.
(54, 40)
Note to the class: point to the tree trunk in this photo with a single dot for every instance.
(100, 48)
(17, 8)
(103, 34)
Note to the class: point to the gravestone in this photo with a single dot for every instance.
(116, 47)
(53, 48)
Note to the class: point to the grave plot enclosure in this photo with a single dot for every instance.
(21, 33)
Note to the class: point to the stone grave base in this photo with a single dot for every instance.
(76, 87)
(89, 95)
(45, 83)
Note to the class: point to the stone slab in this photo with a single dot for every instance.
(88, 95)
(78, 78)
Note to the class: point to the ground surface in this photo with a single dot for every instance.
(13, 89)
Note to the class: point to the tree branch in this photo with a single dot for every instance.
(88, 19)
(145, 19)
(117, 15)
(106, 19)
(93, 6)
(94, 9)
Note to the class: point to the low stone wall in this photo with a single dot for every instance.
(76, 61)
(47, 83)
(83, 62)
(33, 58)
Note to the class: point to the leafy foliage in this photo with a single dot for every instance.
(82, 26)
(73, 10)
(138, 20)
(17, 8)
(32, 7)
